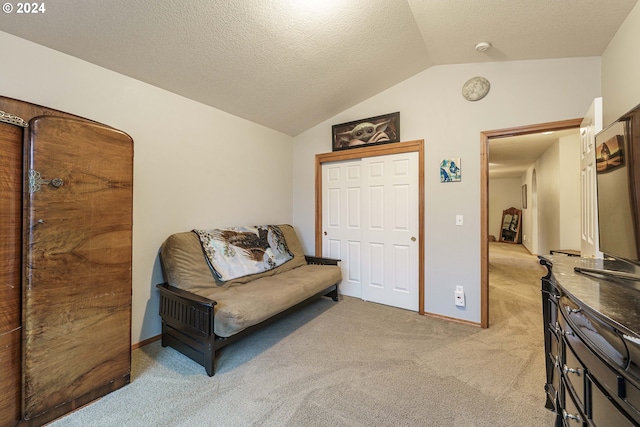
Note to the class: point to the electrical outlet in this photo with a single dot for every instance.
(459, 294)
(459, 220)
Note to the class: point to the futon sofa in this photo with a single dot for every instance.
(209, 301)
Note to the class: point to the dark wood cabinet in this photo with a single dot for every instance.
(592, 343)
(67, 214)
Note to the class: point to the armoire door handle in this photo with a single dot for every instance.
(36, 181)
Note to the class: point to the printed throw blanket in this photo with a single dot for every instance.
(241, 251)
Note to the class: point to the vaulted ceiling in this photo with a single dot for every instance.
(291, 64)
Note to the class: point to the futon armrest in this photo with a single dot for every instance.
(169, 290)
(321, 260)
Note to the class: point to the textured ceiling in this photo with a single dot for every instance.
(291, 64)
(510, 157)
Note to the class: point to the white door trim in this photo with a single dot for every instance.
(372, 151)
(590, 126)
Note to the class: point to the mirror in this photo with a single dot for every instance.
(510, 231)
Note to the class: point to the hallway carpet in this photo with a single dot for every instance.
(354, 363)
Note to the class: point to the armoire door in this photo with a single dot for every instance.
(77, 272)
(11, 137)
(370, 221)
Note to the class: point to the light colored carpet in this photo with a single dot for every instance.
(354, 363)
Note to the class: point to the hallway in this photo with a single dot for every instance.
(514, 281)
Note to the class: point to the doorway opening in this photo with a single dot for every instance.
(484, 197)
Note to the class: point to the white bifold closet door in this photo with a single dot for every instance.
(370, 222)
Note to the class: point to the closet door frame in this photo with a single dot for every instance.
(373, 151)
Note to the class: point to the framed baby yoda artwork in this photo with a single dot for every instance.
(372, 131)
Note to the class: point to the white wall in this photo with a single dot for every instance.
(621, 69)
(558, 186)
(432, 108)
(547, 171)
(569, 192)
(558, 199)
(504, 193)
(194, 166)
(529, 215)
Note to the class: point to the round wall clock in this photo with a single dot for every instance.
(475, 88)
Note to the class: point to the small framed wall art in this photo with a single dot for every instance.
(450, 170)
(610, 154)
(372, 131)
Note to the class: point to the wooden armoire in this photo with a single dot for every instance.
(66, 193)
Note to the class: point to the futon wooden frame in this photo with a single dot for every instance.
(188, 320)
